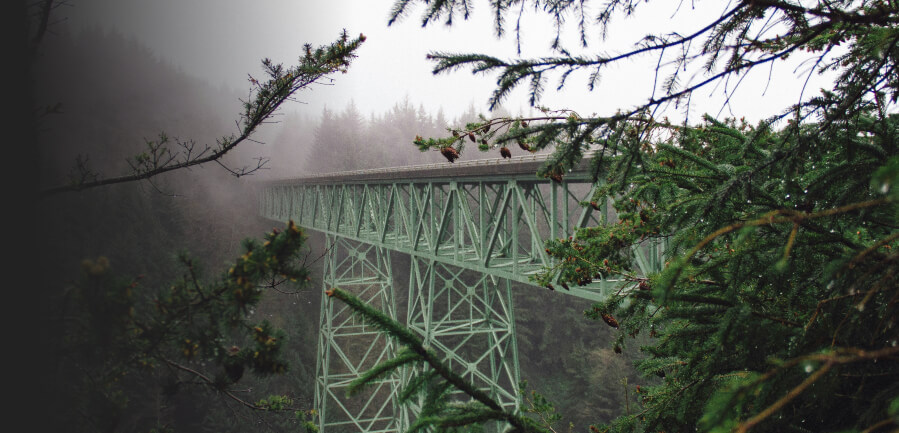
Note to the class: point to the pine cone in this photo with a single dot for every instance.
(450, 153)
(610, 320)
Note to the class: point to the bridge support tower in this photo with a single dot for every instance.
(464, 315)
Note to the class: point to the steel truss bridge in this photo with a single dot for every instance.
(465, 232)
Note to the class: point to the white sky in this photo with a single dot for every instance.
(223, 40)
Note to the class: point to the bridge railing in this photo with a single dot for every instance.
(524, 162)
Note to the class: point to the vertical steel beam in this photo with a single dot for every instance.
(468, 319)
(348, 347)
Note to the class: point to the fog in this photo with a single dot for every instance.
(220, 44)
(123, 72)
(222, 41)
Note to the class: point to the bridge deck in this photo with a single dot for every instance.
(488, 216)
(498, 167)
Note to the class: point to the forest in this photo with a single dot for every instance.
(151, 300)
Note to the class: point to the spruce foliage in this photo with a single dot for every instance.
(122, 338)
(776, 308)
(435, 383)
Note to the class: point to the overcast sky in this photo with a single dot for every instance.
(223, 40)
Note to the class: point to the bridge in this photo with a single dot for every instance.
(464, 232)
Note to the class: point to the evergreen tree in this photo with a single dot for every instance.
(351, 136)
(122, 339)
(440, 121)
(337, 142)
(292, 144)
(324, 145)
(399, 125)
(776, 309)
(347, 141)
(132, 352)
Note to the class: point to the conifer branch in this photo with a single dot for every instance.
(790, 240)
(214, 385)
(265, 99)
(880, 424)
(700, 186)
(750, 423)
(404, 357)
(860, 256)
(838, 356)
(415, 350)
(778, 217)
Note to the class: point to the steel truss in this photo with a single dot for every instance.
(468, 239)
(364, 270)
(467, 316)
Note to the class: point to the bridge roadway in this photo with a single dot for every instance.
(516, 165)
(491, 215)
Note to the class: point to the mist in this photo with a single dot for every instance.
(223, 42)
(112, 75)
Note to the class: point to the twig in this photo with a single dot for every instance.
(783, 216)
(748, 424)
(223, 391)
(830, 359)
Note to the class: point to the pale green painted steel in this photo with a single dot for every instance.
(364, 270)
(467, 316)
(468, 237)
(496, 227)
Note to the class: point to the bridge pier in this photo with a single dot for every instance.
(467, 317)
(347, 347)
(464, 315)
